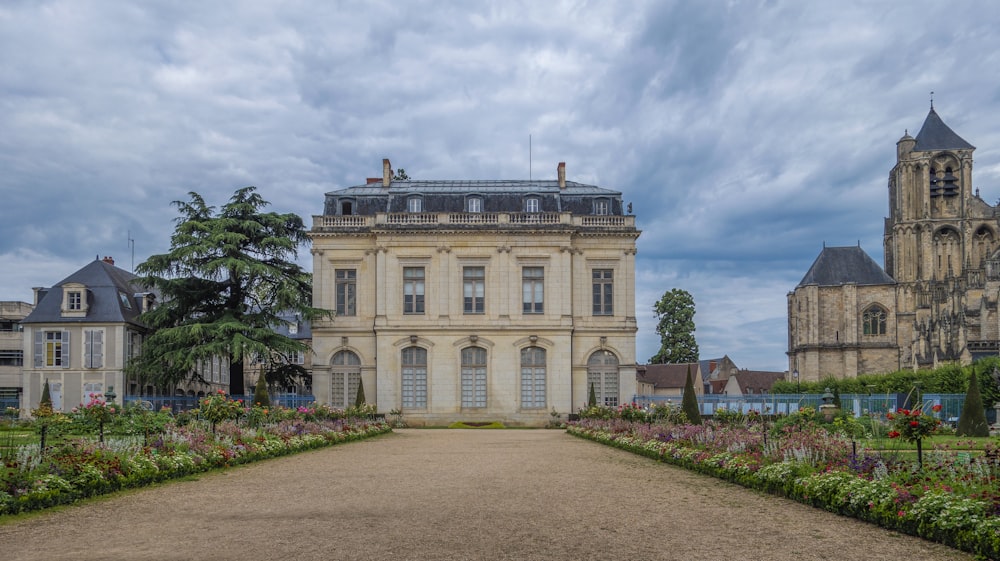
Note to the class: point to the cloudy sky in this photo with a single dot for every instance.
(746, 134)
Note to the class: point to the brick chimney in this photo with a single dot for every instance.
(370, 180)
(386, 172)
(109, 260)
(561, 170)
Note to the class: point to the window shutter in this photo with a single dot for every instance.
(88, 347)
(39, 348)
(65, 349)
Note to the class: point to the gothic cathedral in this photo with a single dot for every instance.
(936, 299)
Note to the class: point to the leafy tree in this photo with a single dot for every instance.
(675, 325)
(260, 395)
(359, 399)
(689, 401)
(972, 421)
(227, 277)
(400, 175)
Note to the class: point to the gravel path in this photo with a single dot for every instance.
(455, 494)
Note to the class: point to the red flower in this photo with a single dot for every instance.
(936, 408)
(893, 434)
(890, 416)
(914, 423)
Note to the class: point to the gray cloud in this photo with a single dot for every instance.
(745, 134)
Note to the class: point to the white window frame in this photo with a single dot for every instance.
(415, 204)
(474, 388)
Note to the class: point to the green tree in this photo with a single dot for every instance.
(972, 421)
(260, 395)
(400, 175)
(675, 325)
(46, 396)
(592, 398)
(359, 399)
(689, 401)
(227, 277)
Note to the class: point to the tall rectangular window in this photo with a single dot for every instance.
(603, 292)
(55, 348)
(93, 352)
(74, 301)
(413, 290)
(474, 289)
(533, 290)
(475, 204)
(347, 286)
(533, 378)
(601, 206)
(474, 377)
(531, 205)
(414, 204)
(414, 377)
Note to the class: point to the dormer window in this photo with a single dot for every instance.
(346, 207)
(602, 206)
(415, 204)
(74, 302)
(474, 204)
(532, 204)
(126, 301)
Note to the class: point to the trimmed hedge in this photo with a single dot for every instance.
(958, 522)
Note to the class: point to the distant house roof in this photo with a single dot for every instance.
(753, 381)
(845, 265)
(935, 135)
(111, 297)
(667, 375)
(302, 329)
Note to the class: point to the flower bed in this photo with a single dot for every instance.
(156, 447)
(949, 502)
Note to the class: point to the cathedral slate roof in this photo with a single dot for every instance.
(104, 284)
(836, 266)
(935, 135)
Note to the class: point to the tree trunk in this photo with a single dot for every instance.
(236, 384)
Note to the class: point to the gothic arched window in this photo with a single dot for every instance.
(873, 320)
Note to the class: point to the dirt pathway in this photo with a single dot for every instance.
(454, 494)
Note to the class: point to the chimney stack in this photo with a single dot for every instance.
(561, 170)
(386, 172)
(108, 260)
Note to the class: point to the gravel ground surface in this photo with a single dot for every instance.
(455, 494)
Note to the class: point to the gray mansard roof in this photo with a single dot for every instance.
(935, 135)
(845, 265)
(451, 196)
(105, 284)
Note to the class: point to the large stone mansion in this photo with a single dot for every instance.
(474, 300)
(936, 299)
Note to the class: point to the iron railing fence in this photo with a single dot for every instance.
(783, 404)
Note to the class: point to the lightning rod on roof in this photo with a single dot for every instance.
(131, 245)
(529, 157)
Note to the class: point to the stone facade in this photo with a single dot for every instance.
(938, 299)
(12, 349)
(474, 300)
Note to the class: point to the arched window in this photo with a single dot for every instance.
(473, 377)
(602, 375)
(533, 378)
(345, 379)
(873, 320)
(947, 252)
(414, 378)
(983, 246)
